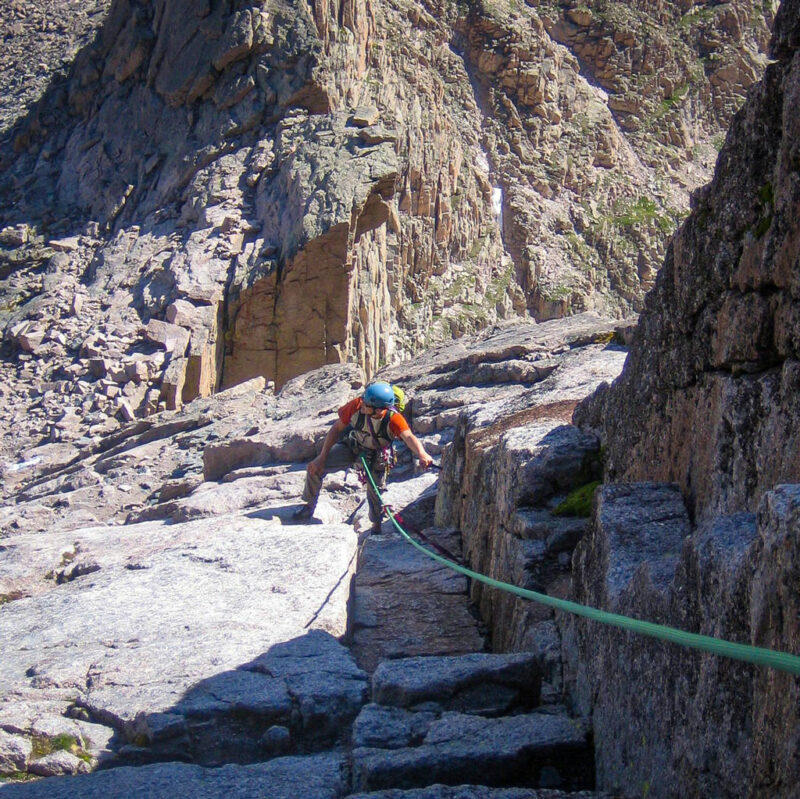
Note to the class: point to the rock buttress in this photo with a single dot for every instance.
(707, 398)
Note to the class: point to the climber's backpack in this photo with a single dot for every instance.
(399, 399)
(401, 403)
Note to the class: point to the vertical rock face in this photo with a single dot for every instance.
(664, 716)
(707, 398)
(707, 403)
(298, 315)
(512, 462)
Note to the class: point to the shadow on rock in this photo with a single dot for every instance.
(282, 513)
(300, 696)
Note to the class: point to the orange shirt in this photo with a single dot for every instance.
(397, 424)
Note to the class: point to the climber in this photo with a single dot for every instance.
(366, 426)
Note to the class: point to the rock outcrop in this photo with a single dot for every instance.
(320, 776)
(512, 462)
(705, 406)
(464, 721)
(713, 369)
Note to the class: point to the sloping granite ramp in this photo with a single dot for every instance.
(404, 604)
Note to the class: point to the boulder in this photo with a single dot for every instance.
(99, 366)
(59, 764)
(364, 116)
(68, 244)
(125, 409)
(15, 752)
(137, 371)
(173, 381)
(173, 338)
(14, 235)
(31, 338)
(182, 313)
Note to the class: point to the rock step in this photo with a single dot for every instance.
(404, 603)
(479, 683)
(477, 792)
(537, 750)
(466, 719)
(299, 697)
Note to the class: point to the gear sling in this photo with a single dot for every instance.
(361, 431)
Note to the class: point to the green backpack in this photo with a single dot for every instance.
(399, 399)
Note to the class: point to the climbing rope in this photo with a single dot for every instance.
(782, 661)
(398, 520)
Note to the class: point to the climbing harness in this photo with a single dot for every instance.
(385, 452)
(361, 433)
(782, 661)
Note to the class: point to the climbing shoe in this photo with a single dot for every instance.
(304, 514)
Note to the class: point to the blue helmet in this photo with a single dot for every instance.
(379, 395)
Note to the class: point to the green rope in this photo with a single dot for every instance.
(717, 646)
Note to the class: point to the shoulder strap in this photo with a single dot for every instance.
(383, 430)
(375, 439)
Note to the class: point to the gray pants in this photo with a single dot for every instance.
(341, 457)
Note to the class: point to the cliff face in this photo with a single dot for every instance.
(601, 117)
(707, 396)
(666, 719)
(293, 184)
(703, 413)
(706, 406)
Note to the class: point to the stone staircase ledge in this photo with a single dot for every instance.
(477, 792)
(530, 750)
(481, 683)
